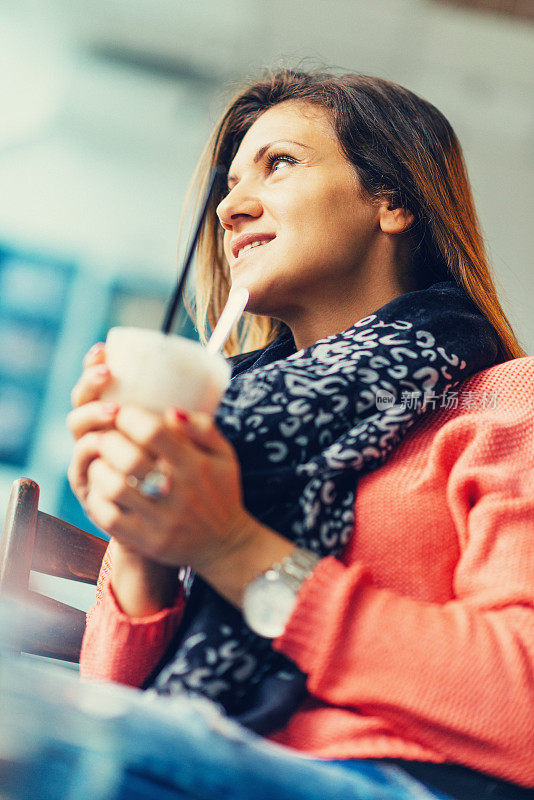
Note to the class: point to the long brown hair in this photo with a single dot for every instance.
(402, 148)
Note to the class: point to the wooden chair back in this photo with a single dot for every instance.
(33, 540)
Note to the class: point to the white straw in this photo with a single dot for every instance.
(231, 314)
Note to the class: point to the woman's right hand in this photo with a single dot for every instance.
(141, 586)
(94, 377)
(89, 416)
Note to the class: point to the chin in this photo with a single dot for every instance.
(264, 299)
(258, 308)
(256, 293)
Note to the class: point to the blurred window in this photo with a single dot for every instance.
(33, 289)
(26, 350)
(18, 416)
(33, 295)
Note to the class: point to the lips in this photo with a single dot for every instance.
(247, 239)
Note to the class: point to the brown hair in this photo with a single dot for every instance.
(402, 148)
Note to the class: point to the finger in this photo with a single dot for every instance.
(150, 432)
(85, 450)
(139, 528)
(93, 416)
(201, 429)
(96, 355)
(125, 456)
(114, 487)
(125, 526)
(90, 385)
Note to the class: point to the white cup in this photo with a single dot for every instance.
(155, 370)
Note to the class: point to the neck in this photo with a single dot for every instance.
(335, 312)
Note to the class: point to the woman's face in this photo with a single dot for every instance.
(297, 229)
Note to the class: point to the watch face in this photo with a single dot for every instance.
(267, 605)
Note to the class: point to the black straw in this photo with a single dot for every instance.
(173, 302)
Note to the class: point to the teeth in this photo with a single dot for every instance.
(249, 247)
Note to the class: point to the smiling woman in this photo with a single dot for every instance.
(354, 590)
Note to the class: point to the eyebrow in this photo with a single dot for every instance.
(261, 152)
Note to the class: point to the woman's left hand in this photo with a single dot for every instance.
(202, 518)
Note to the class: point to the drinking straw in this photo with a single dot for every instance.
(173, 302)
(231, 314)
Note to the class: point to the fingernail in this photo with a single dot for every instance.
(92, 353)
(110, 409)
(180, 415)
(102, 370)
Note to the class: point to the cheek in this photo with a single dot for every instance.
(328, 214)
(348, 223)
(327, 231)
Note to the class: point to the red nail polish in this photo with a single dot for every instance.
(180, 415)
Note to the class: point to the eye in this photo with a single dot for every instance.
(274, 160)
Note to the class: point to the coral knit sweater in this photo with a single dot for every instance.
(418, 641)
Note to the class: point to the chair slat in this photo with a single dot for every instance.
(65, 551)
(58, 633)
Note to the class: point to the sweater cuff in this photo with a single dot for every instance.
(318, 598)
(139, 623)
(125, 649)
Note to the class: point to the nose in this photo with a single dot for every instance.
(239, 204)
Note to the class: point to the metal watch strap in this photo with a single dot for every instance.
(269, 600)
(296, 567)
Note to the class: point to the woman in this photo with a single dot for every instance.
(347, 214)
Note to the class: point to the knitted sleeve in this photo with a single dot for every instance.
(120, 648)
(456, 677)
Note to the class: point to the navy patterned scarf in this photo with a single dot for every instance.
(305, 426)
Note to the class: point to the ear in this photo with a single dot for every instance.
(394, 220)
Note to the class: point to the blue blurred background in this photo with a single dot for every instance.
(106, 106)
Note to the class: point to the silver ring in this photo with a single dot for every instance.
(155, 484)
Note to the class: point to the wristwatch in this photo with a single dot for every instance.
(269, 599)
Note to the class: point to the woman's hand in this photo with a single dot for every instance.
(202, 512)
(94, 377)
(141, 586)
(201, 522)
(89, 416)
